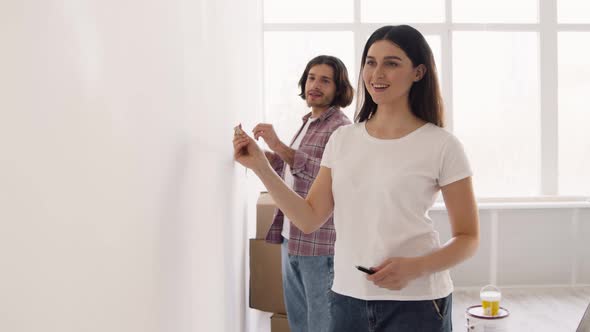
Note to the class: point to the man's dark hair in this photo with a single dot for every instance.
(344, 91)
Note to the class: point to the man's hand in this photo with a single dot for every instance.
(267, 132)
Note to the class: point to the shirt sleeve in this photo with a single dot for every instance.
(275, 161)
(454, 165)
(305, 165)
(329, 151)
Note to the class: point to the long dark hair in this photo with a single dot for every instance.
(425, 97)
(344, 90)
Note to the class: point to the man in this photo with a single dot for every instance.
(307, 259)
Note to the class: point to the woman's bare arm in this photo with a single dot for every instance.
(307, 214)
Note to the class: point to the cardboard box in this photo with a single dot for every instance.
(279, 323)
(266, 283)
(265, 212)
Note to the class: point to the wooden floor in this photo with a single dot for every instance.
(552, 309)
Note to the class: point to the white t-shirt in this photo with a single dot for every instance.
(382, 192)
(289, 180)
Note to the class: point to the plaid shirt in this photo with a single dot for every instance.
(306, 166)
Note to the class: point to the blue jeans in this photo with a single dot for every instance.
(353, 315)
(307, 281)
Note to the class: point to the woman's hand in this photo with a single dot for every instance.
(247, 152)
(395, 273)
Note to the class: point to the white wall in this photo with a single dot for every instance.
(526, 245)
(120, 206)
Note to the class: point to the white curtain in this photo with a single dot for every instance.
(120, 206)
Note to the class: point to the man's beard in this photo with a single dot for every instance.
(320, 103)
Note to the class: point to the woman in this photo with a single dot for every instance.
(379, 177)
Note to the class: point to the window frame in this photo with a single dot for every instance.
(547, 29)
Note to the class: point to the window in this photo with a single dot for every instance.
(284, 65)
(496, 103)
(497, 11)
(308, 11)
(574, 112)
(418, 11)
(514, 75)
(573, 11)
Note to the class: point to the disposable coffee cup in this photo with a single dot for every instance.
(490, 296)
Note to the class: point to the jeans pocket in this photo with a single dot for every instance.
(438, 305)
(330, 274)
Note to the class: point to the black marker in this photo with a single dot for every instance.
(364, 269)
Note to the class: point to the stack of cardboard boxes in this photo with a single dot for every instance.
(266, 282)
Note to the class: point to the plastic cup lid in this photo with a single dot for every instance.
(490, 296)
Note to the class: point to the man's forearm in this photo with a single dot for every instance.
(286, 153)
(270, 156)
